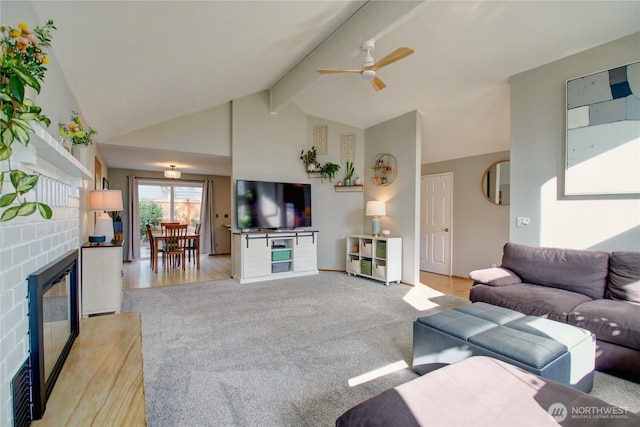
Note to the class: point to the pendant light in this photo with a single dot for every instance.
(173, 174)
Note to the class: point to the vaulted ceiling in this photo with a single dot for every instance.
(132, 64)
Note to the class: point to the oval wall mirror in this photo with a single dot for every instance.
(496, 184)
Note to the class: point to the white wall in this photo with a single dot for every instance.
(537, 160)
(336, 214)
(400, 137)
(480, 228)
(205, 132)
(266, 146)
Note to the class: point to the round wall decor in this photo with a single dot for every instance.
(385, 169)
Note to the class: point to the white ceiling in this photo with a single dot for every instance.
(132, 64)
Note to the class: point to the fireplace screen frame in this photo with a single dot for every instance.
(39, 283)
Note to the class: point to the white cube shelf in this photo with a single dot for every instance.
(378, 258)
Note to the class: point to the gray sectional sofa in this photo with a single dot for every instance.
(595, 290)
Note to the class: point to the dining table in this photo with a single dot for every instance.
(158, 237)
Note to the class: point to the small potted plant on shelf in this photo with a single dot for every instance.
(329, 171)
(75, 132)
(348, 173)
(310, 159)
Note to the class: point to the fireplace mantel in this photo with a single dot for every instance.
(44, 145)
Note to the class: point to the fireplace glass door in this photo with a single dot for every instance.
(56, 319)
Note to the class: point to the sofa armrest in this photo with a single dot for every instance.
(496, 276)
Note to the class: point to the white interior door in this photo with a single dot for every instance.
(436, 192)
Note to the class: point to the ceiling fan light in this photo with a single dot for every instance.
(368, 74)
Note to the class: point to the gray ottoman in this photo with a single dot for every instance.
(551, 349)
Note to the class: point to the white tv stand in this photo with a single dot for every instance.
(267, 255)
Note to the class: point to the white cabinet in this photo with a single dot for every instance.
(101, 284)
(264, 256)
(305, 253)
(378, 258)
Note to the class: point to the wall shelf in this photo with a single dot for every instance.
(348, 188)
(49, 149)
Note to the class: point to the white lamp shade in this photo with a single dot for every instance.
(376, 208)
(105, 200)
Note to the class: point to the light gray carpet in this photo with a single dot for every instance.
(280, 353)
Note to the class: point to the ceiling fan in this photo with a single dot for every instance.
(369, 69)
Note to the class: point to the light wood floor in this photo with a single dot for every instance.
(457, 286)
(138, 274)
(101, 383)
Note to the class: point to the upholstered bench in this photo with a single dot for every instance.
(547, 348)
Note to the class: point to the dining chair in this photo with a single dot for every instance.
(163, 225)
(191, 245)
(154, 255)
(175, 241)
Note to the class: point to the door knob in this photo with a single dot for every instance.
(446, 229)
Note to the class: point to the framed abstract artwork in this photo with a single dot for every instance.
(603, 133)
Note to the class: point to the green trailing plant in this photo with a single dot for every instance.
(329, 171)
(310, 158)
(22, 64)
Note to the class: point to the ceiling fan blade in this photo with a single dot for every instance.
(394, 56)
(337, 70)
(377, 83)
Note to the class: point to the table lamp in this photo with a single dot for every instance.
(105, 200)
(376, 209)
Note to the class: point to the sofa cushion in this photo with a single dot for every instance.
(569, 269)
(624, 277)
(534, 300)
(495, 276)
(617, 322)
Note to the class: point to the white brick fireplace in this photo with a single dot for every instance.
(29, 243)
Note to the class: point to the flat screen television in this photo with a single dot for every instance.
(266, 205)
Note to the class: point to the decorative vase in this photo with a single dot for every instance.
(358, 181)
(78, 150)
(310, 167)
(347, 182)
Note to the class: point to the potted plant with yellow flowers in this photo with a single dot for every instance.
(22, 64)
(75, 133)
